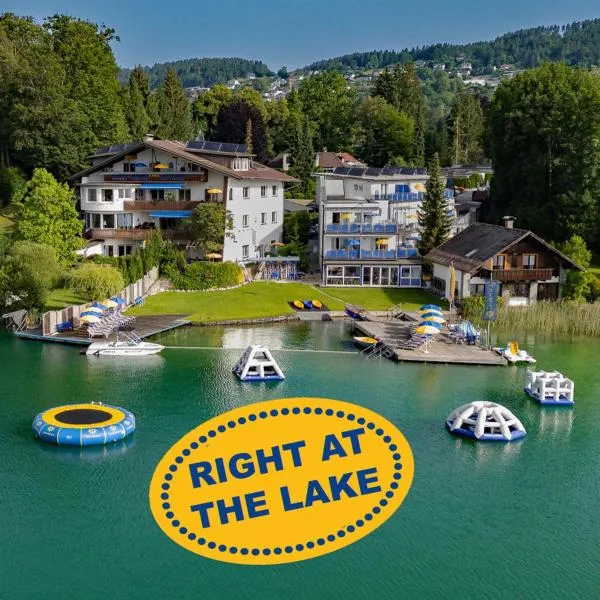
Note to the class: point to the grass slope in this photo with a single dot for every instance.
(62, 297)
(261, 300)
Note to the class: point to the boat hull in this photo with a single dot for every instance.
(108, 350)
(364, 342)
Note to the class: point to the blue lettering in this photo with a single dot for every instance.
(294, 448)
(332, 447)
(203, 510)
(364, 481)
(263, 460)
(287, 503)
(253, 502)
(235, 508)
(201, 470)
(221, 470)
(315, 493)
(353, 435)
(340, 485)
(247, 467)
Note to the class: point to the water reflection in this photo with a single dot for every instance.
(87, 453)
(556, 420)
(488, 453)
(125, 364)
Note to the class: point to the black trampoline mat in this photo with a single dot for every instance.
(83, 416)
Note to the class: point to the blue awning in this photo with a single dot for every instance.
(161, 186)
(171, 214)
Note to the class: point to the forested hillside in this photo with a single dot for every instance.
(577, 44)
(203, 72)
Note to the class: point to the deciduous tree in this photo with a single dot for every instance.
(211, 223)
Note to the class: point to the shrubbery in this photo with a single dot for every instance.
(471, 308)
(95, 282)
(205, 275)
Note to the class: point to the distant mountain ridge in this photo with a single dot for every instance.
(577, 44)
(203, 72)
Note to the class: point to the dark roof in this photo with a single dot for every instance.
(369, 172)
(217, 148)
(480, 242)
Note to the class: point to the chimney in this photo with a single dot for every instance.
(509, 222)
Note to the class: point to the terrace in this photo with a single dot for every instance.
(371, 254)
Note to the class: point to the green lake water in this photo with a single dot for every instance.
(516, 520)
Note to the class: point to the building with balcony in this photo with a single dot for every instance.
(368, 226)
(133, 190)
(527, 267)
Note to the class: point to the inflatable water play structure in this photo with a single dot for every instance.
(485, 421)
(551, 388)
(83, 424)
(257, 364)
(364, 342)
(513, 354)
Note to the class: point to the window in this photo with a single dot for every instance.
(498, 262)
(358, 187)
(92, 195)
(107, 195)
(185, 195)
(477, 289)
(125, 221)
(231, 193)
(124, 193)
(263, 218)
(140, 194)
(263, 191)
(108, 221)
(108, 250)
(260, 251)
(245, 251)
(274, 190)
(124, 250)
(529, 261)
(246, 192)
(129, 167)
(245, 220)
(157, 194)
(274, 217)
(93, 220)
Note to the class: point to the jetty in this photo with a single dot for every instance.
(392, 330)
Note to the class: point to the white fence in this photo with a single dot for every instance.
(139, 289)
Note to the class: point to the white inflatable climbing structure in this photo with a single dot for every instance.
(257, 364)
(485, 421)
(550, 387)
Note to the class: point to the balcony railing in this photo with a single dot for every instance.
(507, 275)
(135, 234)
(364, 228)
(371, 254)
(158, 205)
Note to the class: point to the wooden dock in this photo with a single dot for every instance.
(145, 327)
(442, 350)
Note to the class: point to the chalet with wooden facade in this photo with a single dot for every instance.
(528, 268)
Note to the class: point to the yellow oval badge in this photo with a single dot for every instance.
(281, 481)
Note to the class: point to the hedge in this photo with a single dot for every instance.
(205, 276)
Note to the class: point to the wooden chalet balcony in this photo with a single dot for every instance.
(507, 275)
(135, 234)
(158, 205)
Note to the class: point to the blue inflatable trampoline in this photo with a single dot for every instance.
(83, 424)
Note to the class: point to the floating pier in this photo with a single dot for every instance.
(257, 364)
(550, 388)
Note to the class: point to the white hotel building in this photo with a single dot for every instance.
(133, 190)
(368, 226)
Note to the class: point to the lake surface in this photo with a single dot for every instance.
(516, 520)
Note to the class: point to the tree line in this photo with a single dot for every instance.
(577, 44)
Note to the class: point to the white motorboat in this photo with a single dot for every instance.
(125, 345)
(513, 354)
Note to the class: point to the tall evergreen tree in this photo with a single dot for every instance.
(418, 149)
(465, 124)
(135, 111)
(248, 138)
(175, 121)
(303, 158)
(434, 221)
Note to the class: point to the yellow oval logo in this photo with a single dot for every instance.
(281, 481)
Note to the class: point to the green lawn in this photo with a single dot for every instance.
(260, 300)
(62, 297)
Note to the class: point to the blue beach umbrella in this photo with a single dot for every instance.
(353, 243)
(431, 307)
(89, 313)
(119, 300)
(433, 316)
(99, 305)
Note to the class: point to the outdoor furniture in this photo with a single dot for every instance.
(66, 326)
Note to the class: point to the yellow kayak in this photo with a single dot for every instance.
(365, 342)
(298, 304)
(317, 304)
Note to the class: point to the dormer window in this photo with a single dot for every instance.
(241, 164)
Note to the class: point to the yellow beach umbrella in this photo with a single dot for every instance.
(214, 191)
(160, 166)
(434, 318)
(427, 330)
(110, 303)
(90, 319)
(94, 309)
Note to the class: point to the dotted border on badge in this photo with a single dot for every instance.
(307, 410)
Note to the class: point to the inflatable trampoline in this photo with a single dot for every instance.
(83, 424)
(485, 421)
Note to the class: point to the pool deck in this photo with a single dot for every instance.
(442, 350)
(145, 327)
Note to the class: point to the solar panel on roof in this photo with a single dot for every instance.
(216, 146)
(357, 172)
(388, 171)
(373, 172)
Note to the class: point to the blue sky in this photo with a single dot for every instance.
(295, 33)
